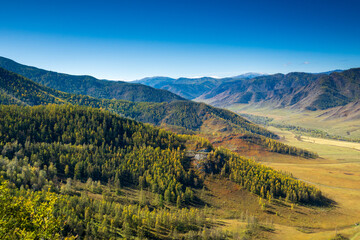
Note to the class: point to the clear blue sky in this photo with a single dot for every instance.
(127, 40)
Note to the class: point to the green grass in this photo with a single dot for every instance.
(340, 151)
(306, 119)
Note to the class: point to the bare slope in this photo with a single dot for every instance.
(348, 112)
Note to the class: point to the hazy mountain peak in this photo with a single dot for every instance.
(249, 75)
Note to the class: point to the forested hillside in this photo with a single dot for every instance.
(91, 86)
(15, 89)
(59, 148)
(42, 148)
(182, 116)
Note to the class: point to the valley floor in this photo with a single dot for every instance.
(341, 126)
(336, 172)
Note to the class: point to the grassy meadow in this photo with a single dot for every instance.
(307, 119)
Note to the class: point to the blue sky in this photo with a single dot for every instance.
(132, 39)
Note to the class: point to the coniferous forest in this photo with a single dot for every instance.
(179, 120)
(65, 168)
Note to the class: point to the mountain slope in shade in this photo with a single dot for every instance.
(294, 90)
(329, 72)
(191, 88)
(336, 89)
(188, 115)
(91, 86)
(278, 90)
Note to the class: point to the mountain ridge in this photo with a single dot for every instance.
(88, 85)
(191, 116)
(294, 90)
(191, 88)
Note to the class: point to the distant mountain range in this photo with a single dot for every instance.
(191, 88)
(297, 90)
(88, 85)
(294, 90)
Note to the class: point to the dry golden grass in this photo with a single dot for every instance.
(332, 150)
(336, 172)
(331, 142)
(284, 232)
